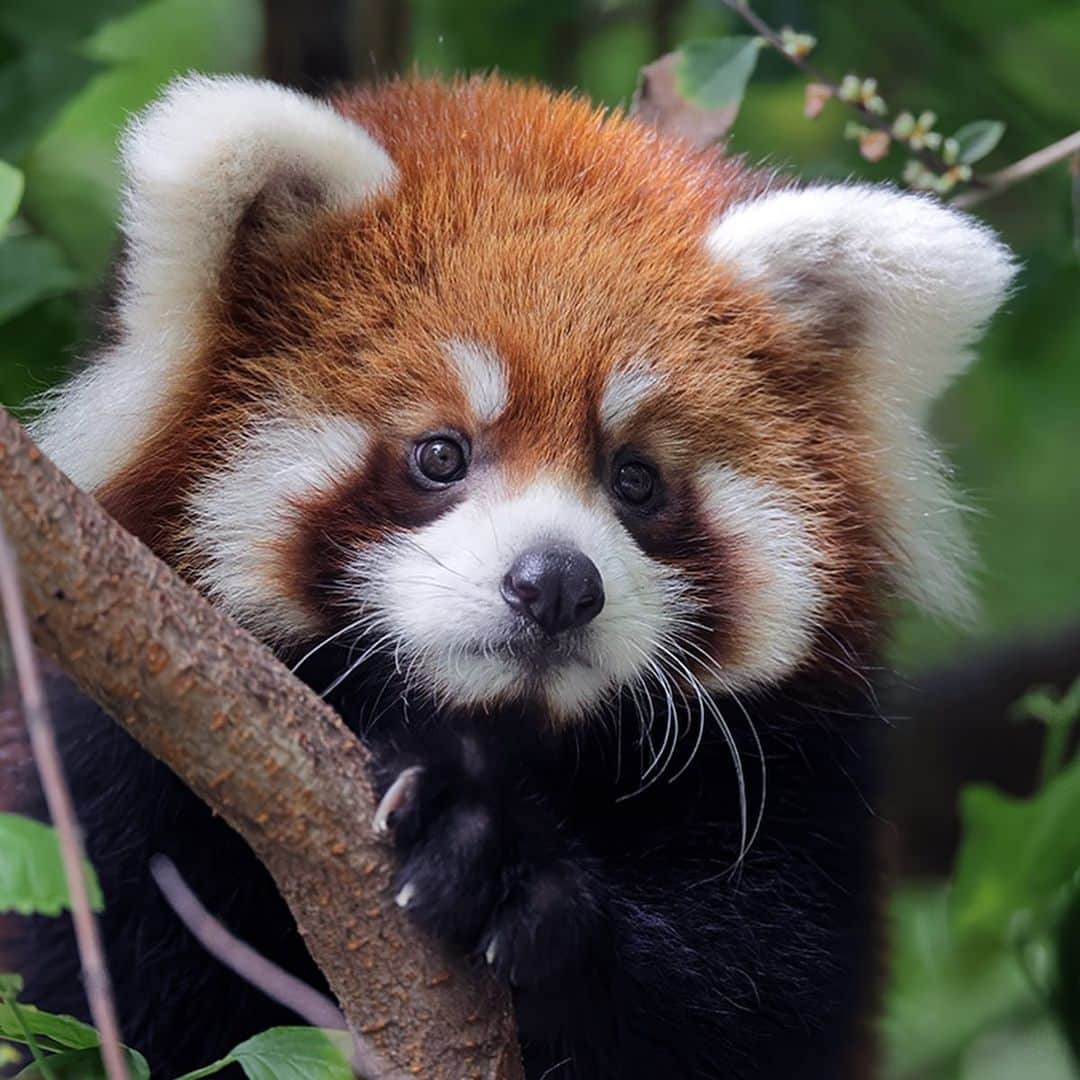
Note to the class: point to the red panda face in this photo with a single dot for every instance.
(534, 511)
(539, 404)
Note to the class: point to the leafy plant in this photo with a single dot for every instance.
(1002, 945)
(714, 73)
(287, 1053)
(70, 72)
(64, 1048)
(31, 871)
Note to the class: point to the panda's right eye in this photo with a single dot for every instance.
(441, 459)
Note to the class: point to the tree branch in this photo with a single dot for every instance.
(931, 160)
(277, 983)
(216, 706)
(1027, 167)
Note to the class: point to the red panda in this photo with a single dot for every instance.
(581, 470)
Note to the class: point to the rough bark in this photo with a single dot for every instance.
(261, 749)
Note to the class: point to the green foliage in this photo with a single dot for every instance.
(1021, 856)
(70, 74)
(32, 878)
(25, 1023)
(977, 139)
(62, 1047)
(11, 192)
(32, 268)
(714, 73)
(1001, 948)
(288, 1053)
(1067, 991)
(33, 89)
(82, 1065)
(67, 1049)
(1017, 856)
(58, 23)
(941, 998)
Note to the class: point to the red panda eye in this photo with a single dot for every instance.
(634, 482)
(441, 459)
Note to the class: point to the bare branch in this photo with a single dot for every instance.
(286, 989)
(1027, 167)
(931, 160)
(62, 811)
(218, 708)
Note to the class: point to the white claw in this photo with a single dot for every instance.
(492, 951)
(405, 895)
(397, 794)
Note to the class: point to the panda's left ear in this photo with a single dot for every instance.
(897, 288)
(901, 278)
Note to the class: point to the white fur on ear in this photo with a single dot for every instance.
(909, 285)
(195, 161)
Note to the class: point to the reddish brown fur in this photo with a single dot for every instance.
(568, 240)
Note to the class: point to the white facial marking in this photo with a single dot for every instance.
(626, 390)
(439, 595)
(918, 282)
(194, 162)
(241, 516)
(483, 378)
(777, 581)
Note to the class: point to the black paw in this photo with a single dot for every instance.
(485, 866)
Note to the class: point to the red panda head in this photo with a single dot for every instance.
(534, 399)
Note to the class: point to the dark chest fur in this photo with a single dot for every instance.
(640, 944)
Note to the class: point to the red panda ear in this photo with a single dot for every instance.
(903, 286)
(201, 156)
(196, 162)
(902, 279)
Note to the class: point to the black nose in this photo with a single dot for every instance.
(557, 587)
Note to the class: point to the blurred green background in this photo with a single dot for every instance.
(72, 72)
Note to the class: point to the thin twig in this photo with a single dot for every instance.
(275, 982)
(62, 811)
(1018, 171)
(932, 161)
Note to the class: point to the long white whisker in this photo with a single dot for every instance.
(326, 641)
(725, 730)
(352, 667)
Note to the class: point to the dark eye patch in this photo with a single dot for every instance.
(385, 498)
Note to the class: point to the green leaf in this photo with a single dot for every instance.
(714, 72)
(85, 1065)
(1068, 989)
(940, 997)
(11, 190)
(53, 1032)
(58, 22)
(32, 878)
(32, 268)
(33, 89)
(1017, 855)
(977, 139)
(295, 1053)
(10, 985)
